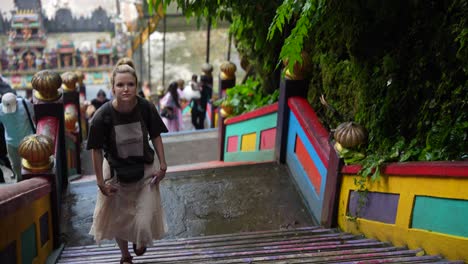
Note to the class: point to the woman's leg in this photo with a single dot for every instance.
(123, 245)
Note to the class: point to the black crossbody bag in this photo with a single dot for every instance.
(29, 116)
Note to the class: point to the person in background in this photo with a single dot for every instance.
(128, 206)
(180, 91)
(4, 160)
(17, 115)
(146, 90)
(199, 105)
(96, 103)
(171, 111)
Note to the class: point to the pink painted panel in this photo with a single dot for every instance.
(232, 143)
(267, 138)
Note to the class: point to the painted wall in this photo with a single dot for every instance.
(26, 222)
(419, 205)
(307, 156)
(251, 137)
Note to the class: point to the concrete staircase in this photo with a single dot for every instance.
(302, 245)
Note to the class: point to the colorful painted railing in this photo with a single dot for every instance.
(312, 164)
(26, 221)
(415, 204)
(251, 136)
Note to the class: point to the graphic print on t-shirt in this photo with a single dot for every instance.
(129, 140)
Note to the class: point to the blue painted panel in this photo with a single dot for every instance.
(448, 216)
(313, 201)
(296, 129)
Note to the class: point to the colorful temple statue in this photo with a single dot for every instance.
(26, 39)
(103, 52)
(27, 52)
(66, 54)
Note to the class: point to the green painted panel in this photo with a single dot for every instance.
(264, 155)
(28, 244)
(441, 215)
(252, 125)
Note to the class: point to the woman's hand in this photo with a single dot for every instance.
(158, 176)
(107, 189)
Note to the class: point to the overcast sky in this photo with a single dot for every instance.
(78, 7)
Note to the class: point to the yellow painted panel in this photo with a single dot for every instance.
(400, 233)
(249, 142)
(14, 224)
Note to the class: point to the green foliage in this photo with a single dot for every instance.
(310, 12)
(396, 67)
(246, 97)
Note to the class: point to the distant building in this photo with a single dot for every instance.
(63, 21)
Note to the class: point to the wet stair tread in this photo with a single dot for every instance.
(301, 245)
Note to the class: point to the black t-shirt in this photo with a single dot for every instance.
(107, 127)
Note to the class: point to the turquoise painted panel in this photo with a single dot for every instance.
(442, 215)
(252, 125)
(264, 155)
(28, 245)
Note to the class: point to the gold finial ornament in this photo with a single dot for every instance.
(46, 84)
(350, 134)
(228, 70)
(299, 69)
(69, 80)
(36, 151)
(207, 69)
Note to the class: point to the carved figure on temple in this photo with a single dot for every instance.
(11, 35)
(29, 60)
(66, 61)
(21, 64)
(47, 63)
(39, 62)
(27, 33)
(105, 60)
(84, 60)
(11, 61)
(41, 34)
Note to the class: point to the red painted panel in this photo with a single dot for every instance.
(267, 138)
(419, 168)
(232, 143)
(48, 126)
(308, 164)
(253, 114)
(314, 130)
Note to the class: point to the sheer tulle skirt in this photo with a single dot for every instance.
(134, 213)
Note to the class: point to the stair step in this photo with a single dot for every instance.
(301, 245)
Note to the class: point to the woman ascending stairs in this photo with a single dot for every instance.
(128, 207)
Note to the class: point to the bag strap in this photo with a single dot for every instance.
(29, 116)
